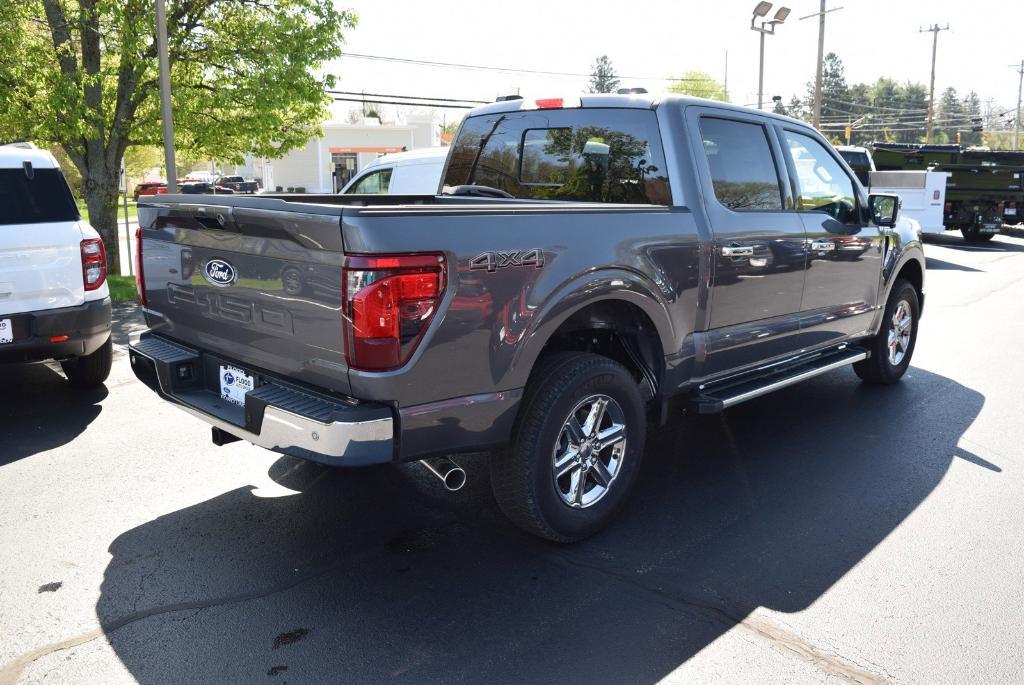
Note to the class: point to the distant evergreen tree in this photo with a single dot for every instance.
(602, 76)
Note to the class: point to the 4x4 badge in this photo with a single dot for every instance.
(499, 259)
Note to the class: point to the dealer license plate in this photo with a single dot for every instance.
(6, 331)
(1010, 211)
(234, 383)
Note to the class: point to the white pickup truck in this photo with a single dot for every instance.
(54, 298)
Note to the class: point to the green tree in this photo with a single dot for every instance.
(834, 92)
(602, 76)
(971, 105)
(84, 76)
(699, 84)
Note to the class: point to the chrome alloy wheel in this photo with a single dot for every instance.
(587, 456)
(899, 333)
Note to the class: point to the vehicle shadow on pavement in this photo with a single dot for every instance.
(933, 264)
(378, 575)
(40, 410)
(1005, 242)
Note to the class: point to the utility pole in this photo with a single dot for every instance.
(934, 29)
(1016, 118)
(816, 113)
(165, 96)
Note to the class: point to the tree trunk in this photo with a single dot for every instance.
(100, 187)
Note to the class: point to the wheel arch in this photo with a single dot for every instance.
(616, 315)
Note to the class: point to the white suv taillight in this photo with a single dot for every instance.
(140, 284)
(389, 302)
(94, 263)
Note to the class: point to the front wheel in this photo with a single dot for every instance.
(576, 450)
(893, 345)
(90, 370)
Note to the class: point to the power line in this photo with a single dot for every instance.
(407, 104)
(510, 70)
(407, 97)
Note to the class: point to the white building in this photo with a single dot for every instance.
(325, 164)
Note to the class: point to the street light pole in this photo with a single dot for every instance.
(767, 27)
(934, 28)
(165, 96)
(760, 75)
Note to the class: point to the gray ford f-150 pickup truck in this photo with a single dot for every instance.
(590, 266)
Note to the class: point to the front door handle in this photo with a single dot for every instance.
(731, 251)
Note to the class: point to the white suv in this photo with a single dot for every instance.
(54, 299)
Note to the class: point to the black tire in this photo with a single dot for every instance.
(973, 235)
(879, 368)
(522, 476)
(90, 370)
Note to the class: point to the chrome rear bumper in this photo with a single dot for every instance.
(276, 415)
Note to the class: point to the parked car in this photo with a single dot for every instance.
(416, 172)
(203, 187)
(54, 298)
(606, 257)
(149, 188)
(238, 184)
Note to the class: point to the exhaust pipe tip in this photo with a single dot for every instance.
(451, 475)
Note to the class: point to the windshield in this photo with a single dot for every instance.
(43, 198)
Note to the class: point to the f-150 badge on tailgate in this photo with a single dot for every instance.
(500, 259)
(219, 273)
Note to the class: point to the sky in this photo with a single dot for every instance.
(655, 39)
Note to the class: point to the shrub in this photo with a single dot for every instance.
(300, 189)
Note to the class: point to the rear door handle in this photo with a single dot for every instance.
(730, 251)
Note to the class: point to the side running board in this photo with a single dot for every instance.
(716, 397)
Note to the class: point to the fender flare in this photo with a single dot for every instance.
(584, 290)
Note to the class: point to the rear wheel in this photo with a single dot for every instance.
(90, 370)
(576, 449)
(893, 345)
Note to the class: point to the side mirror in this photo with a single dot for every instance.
(885, 209)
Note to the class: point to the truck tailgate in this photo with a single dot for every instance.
(258, 287)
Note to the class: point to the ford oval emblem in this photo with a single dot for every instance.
(219, 273)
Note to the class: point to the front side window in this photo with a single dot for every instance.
(741, 164)
(44, 197)
(582, 155)
(824, 186)
(375, 183)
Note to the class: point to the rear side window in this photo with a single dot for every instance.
(743, 172)
(580, 155)
(42, 198)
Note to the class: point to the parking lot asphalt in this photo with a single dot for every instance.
(831, 532)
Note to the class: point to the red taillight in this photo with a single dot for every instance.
(94, 263)
(389, 302)
(140, 286)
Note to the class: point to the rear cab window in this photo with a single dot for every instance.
(580, 155)
(44, 198)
